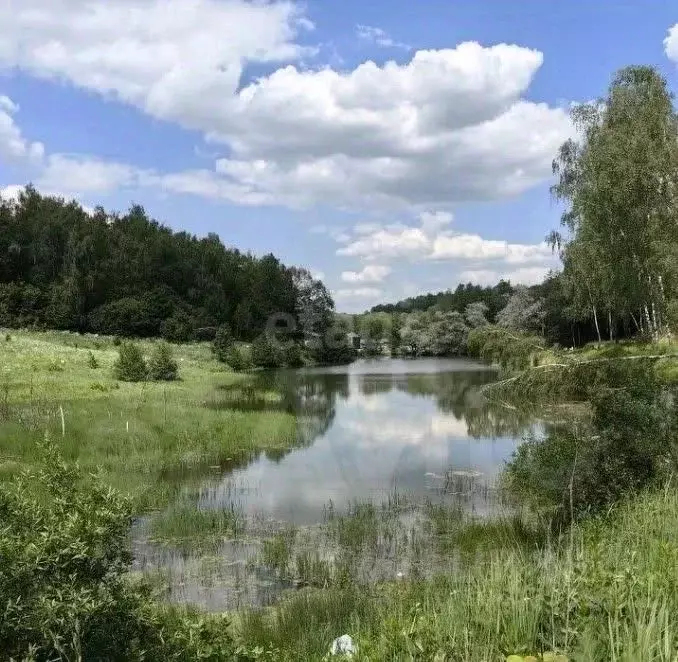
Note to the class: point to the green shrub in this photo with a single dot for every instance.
(238, 358)
(92, 361)
(629, 445)
(162, 366)
(129, 316)
(178, 328)
(130, 366)
(334, 349)
(65, 585)
(512, 350)
(672, 314)
(222, 343)
(63, 561)
(293, 357)
(206, 333)
(266, 353)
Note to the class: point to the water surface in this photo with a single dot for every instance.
(416, 428)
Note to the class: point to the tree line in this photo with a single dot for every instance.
(440, 324)
(493, 297)
(129, 275)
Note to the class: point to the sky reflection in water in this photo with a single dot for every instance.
(419, 428)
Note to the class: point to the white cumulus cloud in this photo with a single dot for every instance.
(520, 276)
(448, 125)
(357, 293)
(372, 273)
(378, 36)
(432, 241)
(391, 242)
(84, 175)
(179, 61)
(11, 192)
(13, 146)
(434, 221)
(474, 247)
(671, 44)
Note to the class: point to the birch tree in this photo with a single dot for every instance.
(619, 182)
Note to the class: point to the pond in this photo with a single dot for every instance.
(381, 443)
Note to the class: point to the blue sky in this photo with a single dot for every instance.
(395, 147)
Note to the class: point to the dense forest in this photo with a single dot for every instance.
(128, 275)
(493, 297)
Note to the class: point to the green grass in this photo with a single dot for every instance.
(472, 537)
(628, 348)
(607, 591)
(277, 551)
(145, 437)
(667, 369)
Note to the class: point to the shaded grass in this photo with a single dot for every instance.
(310, 620)
(357, 529)
(666, 369)
(627, 348)
(558, 376)
(277, 552)
(354, 547)
(455, 532)
(364, 525)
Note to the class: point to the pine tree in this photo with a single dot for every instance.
(130, 366)
(223, 341)
(163, 367)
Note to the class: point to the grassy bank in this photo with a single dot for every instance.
(534, 372)
(607, 591)
(144, 437)
(667, 369)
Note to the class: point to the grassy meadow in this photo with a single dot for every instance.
(143, 437)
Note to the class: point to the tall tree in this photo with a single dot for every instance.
(314, 306)
(620, 184)
(476, 314)
(523, 312)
